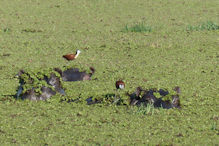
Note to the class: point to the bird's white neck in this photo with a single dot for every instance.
(77, 53)
(121, 86)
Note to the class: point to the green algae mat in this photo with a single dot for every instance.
(147, 43)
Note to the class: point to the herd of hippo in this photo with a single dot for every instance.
(139, 97)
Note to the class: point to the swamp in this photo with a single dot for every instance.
(154, 47)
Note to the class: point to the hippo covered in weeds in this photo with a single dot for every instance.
(46, 93)
(38, 86)
(144, 97)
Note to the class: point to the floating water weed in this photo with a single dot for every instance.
(209, 25)
(145, 110)
(214, 126)
(140, 27)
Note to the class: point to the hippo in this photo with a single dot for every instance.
(141, 96)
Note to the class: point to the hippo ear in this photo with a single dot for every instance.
(138, 91)
(86, 77)
(92, 71)
(177, 89)
(19, 73)
(176, 101)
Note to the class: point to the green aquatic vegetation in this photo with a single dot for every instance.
(214, 126)
(139, 27)
(149, 109)
(164, 57)
(6, 29)
(169, 96)
(209, 25)
(96, 98)
(157, 94)
(144, 110)
(114, 99)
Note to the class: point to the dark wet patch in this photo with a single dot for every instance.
(91, 101)
(6, 54)
(179, 135)
(57, 6)
(69, 100)
(30, 30)
(106, 99)
(1, 131)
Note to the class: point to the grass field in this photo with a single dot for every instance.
(153, 43)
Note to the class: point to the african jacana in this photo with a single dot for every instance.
(72, 56)
(120, 84)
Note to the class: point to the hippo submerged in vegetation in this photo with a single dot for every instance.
(141, 96)
(73, 74)
(39, 86)
(157, 98)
